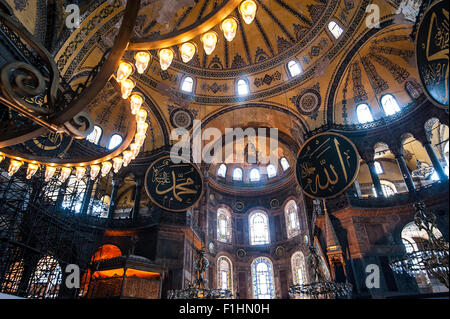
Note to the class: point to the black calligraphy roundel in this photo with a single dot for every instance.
(327, 165)
(173, 184)
(432, 53)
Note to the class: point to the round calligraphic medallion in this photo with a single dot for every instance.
(327, 165)
(432, 52)
(173, 184)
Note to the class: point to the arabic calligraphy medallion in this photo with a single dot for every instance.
(327, 165)
(173, 187)
(432, 52)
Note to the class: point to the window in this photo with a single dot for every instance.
(46, 279)
(271, 171)
(363, 113)
(298, 269)
(335, 29)
(237, 174)
(291, 216)
(390, 105)
(224, 274)
(255, 176)
(12, 278)
(222, 171)
(387, 188)
(259, 228)
(262, 279)
(284, 163)
(115, 141)
(378, 168)
(223, 225)
(294, 68)
(74, 194)
(187, 84)
(95, 135)
(242, 87)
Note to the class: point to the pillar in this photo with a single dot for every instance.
(375, 179)
(405, 172)
(115, 188)
(87, 197)
(435, 161)
(137, 198)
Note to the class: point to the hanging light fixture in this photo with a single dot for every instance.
(209, 40)
(80, 172)
(229, 28)
(136, 101)
(2, 158)
(106, 168)
(142, 128)
(124, 71)
(139, 139)
(14, 167)
(127, 87)
(141, 116)
(117, 164)
(248, 10)
(95, 169)
(187, 51)
(142, 59)
(127, 157)
(134, 148)
(31, 170)
(49, 172)
(64, 174)
(165, 58)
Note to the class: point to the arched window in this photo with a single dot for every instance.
(222, 170)
(259, 228)
(390, 105)
(291, 217)
(284, 163)
(242, 87)
(387, 188)
(255, 176)
(95, 135)
(114, 141)
(223, 225)
(224, 274)
(46, 279)
(271, 171)
(262, 278)
(187, 84)
(335, 29)
(12, 278)
(237, 174)
(294, 68)
(378, 168)
(74, 194)
(298, 268)
(364, 114)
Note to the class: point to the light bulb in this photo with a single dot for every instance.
(2, 158)
(139, 139)
(95, 169)
(141, 116)
(248, 10)
(187, 51)
(209, 40)
(124, 71)
(136, 101)
(14, 167)
(31, 170)
(127, 157)
(127, 87)
(106, 168)
(165, 58)
(142, 128)
(64, 174)
(49, 172)
(142, 59)
(117, 164)
(80, 172)
(134, 148)
(229, 28)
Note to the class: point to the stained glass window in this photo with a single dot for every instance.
(46, 279)
(292, 222)
(223, 225)
(259, 228)
(298, 269)
(224, 273)
(262, 278)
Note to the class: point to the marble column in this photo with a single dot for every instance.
(375, 179)
(115, 188)
(137, 198)
(435, 161)
(405, 172)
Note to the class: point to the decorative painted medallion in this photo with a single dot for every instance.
(181, 118)
(327, 165)
(175, 187)
(432, 52)
(308, 101)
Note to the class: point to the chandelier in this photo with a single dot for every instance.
(422, 171)
(197, 290)
(433, 257)
(320, 288)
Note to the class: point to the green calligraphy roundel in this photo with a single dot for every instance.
(173, 184)
(327, 165)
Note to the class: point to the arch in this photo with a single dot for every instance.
(224, 273)
(95, 136)
(115, 141)
(224, 225)
(46, 279)
(363, 113)
(258, 222)
(335, 29)
(187, 84)
(271, 171)
(390, 104)
(262, 278)
(291, 217)
(242, 87)
(12, 278)
(255, 175)
(222, 170)
(238, 174)
(294, 68)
